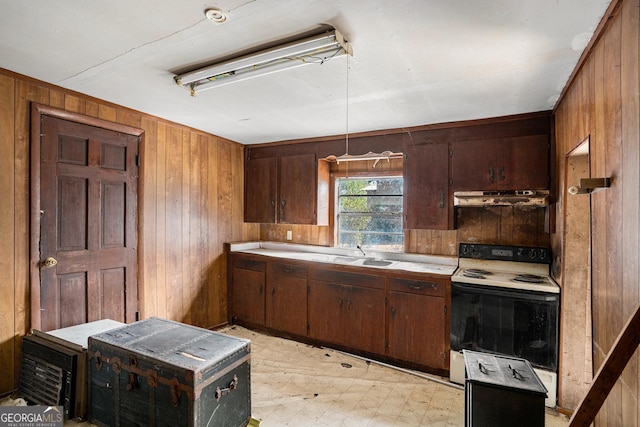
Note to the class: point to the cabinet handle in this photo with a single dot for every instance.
(416, 287)
(348, 305)
(273, 202)
(283, 203)
(393, 311)
(502, 177)
(340, 302)
(260, 288)
(490, 173)
(287, 269)
(441, 200)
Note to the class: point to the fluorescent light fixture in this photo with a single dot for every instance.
(312, 50)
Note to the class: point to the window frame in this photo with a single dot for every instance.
(357, 175)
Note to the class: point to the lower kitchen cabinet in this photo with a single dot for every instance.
(326, 302)
(347, 309)
(286, 298)
(418, 322)
(395, 316)
(248, 278)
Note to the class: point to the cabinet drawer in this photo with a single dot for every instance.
(248, 263)
(278, 270)
(413, 286)
(348, 278)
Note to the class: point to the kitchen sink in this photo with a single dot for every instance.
(371, 262)
(377, 262)
(345, 259)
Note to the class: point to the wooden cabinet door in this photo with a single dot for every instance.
(417, 329)
(427, 199)
(247, 291)
(419, 321)
(287, 189)
(326, 302)
(473, 165)
(297, 185)
(363, 313)
(286, 298)
(347, 308)
(523, 163)
(518, 163)
(260, 190)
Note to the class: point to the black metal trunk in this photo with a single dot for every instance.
(502, 391)
(158, 372)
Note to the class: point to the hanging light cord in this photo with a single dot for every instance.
(347, 111)
(346, 121)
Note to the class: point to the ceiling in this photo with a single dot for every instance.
(414, 62)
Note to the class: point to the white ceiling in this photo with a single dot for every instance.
(415, 62)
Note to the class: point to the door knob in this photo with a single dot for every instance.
(49, 262)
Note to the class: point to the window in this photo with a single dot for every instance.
(369, 213)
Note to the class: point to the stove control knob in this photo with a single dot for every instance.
(532, 253)
(542, 254)
(520, 252)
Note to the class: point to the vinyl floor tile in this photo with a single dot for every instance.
(348, 391)
(294, 384)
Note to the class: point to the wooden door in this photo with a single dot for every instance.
(260, 190)
(427, 199)
(88, 223)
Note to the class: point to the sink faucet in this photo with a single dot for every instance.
(360, 249)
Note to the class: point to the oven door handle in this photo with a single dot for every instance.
(512, 293)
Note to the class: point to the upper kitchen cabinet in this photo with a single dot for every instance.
(304, 190)
(287, 189)
(514, 163)
(427, 199)
(260, 190)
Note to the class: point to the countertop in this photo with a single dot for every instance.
(432, 264)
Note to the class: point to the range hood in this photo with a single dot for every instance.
(501, 198)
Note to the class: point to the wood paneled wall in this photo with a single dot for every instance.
(603, 103)
(190, 203)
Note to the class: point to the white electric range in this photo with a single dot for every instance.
(505, 302)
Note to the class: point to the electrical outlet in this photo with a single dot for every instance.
(289, 235)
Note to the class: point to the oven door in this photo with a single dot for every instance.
(506, 321)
